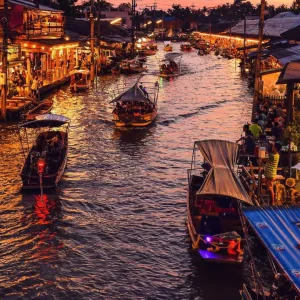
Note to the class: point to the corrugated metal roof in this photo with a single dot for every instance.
(278, 229)
(274, 27)
(30, 4)
(286, 55)
(290, 73)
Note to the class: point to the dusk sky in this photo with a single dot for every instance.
(165, 4)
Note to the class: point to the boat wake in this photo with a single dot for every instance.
(191, 114)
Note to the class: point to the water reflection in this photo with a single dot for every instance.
(133, 141)
(116, 225)
(208, 280)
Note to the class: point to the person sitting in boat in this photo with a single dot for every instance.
(55, 143)
(143, 89)
(41, 144)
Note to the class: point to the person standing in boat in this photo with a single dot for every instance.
(35, 87)
(271, 170)
(143, 89)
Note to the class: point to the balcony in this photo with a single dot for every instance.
(45, 30)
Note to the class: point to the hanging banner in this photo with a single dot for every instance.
(13, 52)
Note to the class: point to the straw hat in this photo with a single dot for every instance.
(290, 182)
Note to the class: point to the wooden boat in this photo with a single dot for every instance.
(170, 65)
(42, 108)
(133, 66)
(186, 46)
(80, 80)
(168, 46)
(116, 70)
(45, 161)
(215, 196)
(136, 107)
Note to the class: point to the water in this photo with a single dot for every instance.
(116, 229)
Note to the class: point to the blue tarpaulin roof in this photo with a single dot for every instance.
(278, 227)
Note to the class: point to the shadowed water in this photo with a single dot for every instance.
(116, 228)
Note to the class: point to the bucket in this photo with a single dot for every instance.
(262, 152)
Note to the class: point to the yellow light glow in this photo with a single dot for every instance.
(43, 48)
(65, 47)
(149, 22)
(139, 40)
(228, 37)
(159, 21)
(25, 45)
(116, 21)
(34, 46)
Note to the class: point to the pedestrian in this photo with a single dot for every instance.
(271, 170)
(35, 87)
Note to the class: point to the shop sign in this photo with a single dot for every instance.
(13, 52)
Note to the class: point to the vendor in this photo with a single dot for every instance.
(271, 170)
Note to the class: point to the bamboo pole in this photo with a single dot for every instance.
(4, 61)
(92, 40)
(258, 58)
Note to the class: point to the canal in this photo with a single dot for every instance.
(117, 227)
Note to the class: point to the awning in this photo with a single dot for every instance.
(278, 227)
(46, 120)
(172, 56)
(290, 73)
(133, 94)
(222, 178)
(29, 4)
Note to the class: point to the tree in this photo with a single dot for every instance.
(124, 6)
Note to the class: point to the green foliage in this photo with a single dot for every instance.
(292, 131)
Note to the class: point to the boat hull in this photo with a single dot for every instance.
(133, 71)
(131, 121)
(30, 177)
(43, 108)
(168, 75)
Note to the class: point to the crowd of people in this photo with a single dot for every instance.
(169, 68)
(265, 131)
(135, 108)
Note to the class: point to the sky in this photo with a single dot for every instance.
(166, 4)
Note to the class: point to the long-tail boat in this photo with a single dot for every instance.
(215, 197)
(137, 106)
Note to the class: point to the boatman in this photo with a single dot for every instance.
(271, 170)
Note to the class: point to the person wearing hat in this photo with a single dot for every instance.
(271, 170)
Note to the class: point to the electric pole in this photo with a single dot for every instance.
(92, 21)
(4, 60)
(244, 58)
(153, 9)
(133, 5)
(258, 58)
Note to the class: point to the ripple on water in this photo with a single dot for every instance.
(117, 225)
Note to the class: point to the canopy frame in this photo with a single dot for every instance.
(222, 178)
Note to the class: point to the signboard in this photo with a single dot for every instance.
(13, 52)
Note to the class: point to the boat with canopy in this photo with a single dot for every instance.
(133, 66)
(44, 143)
(215, 196)
(137, 106)
(186, 46)
(170, 65)
(80, 80)
(278, 229)
(168, 46)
